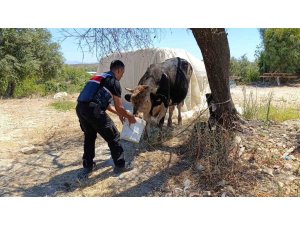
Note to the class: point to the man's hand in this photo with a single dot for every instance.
(122, 111)
(131, 119)
(122, 119)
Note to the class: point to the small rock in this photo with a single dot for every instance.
(242, 149)
(237, 140)
(288, 166)
(224, 194)
(178, 190)
(230, 189)
(271, 141)
(29, 150)
(279, 144)
(268, 171)
(195, 194)
(186, 184)
(206, 194)
(200, 168)
(60, 95)
(222, 183)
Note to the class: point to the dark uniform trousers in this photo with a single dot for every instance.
(96, 121)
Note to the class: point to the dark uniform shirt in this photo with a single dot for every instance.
(100, 89)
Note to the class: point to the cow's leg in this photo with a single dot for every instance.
(147, 131)
(171, 110)
(160, 126)
(179, 106)
(161, 116)
(161, 123)
(147, 128)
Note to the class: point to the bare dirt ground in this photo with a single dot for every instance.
(41, 149)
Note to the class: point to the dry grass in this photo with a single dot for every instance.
(266, 109)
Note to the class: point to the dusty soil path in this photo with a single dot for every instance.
(40, 155)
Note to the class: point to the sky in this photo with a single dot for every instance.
(241, 41)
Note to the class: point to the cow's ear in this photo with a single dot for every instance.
(129, 89)
(128, 97)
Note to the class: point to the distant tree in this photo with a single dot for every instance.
(262, 33)
(24, 53)
(280, 50)
(243, 68)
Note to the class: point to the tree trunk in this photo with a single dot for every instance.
(214, 46)
(10, 90)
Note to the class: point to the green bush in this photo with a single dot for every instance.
(51, 86)
(243, 68)
(63, 105)
(252, 73)
(27, 54)
(29, 87)
(279, 50)
(71, 80)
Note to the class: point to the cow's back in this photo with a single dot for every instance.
(179, 71)
(152, 75)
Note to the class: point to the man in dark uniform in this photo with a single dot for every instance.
(95, 98)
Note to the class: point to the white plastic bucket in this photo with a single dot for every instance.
(134, 131)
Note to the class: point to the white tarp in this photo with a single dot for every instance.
(137, 62)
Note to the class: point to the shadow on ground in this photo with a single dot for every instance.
(67, 182)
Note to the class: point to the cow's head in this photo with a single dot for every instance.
(150, 100)
(140, 98)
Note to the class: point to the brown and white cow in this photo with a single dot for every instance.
(163, 86)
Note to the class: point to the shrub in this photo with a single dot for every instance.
(63, 105)
(243, 68)
(29, 87)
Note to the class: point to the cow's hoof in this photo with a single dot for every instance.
(180, 122)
